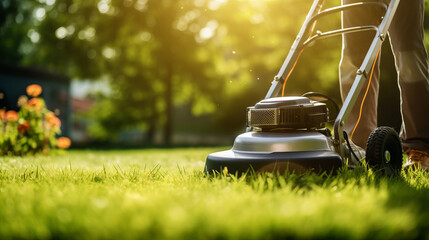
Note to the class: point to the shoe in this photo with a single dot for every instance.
(359, 152)
(417, 158)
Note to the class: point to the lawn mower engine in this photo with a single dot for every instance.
(287, 113)
(283, 134)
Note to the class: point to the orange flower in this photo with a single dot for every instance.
(50, 115)
(63, 142)
(12, 116)
(35, 102)
(53, 120)
(34, 90)
(24, 127)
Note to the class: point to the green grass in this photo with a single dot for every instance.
(163, 194)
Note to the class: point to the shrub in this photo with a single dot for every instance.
(33, 129)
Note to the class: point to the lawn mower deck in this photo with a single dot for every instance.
(277, 152)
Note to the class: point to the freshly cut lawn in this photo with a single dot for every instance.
(163, 194)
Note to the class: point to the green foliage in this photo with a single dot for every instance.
(141, 47)
(163, 194)
(16, 29)
(32, 130)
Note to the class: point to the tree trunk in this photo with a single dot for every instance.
(150, 134)
(168, 125)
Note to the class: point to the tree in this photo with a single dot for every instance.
(145, 48)
(15, 41)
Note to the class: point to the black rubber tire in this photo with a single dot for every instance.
(381, 141)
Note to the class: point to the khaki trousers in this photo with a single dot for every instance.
(406, 35)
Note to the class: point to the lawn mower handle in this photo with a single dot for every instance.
(305, 37)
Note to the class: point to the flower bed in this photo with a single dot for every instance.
(33, 129)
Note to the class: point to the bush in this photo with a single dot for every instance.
(33, 129)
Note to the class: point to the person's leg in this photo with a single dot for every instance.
(355, 48)
(407, 40)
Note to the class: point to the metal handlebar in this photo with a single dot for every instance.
(304, 38)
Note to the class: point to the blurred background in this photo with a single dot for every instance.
(165, 72)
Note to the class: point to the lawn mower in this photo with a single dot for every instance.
(288, 133)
